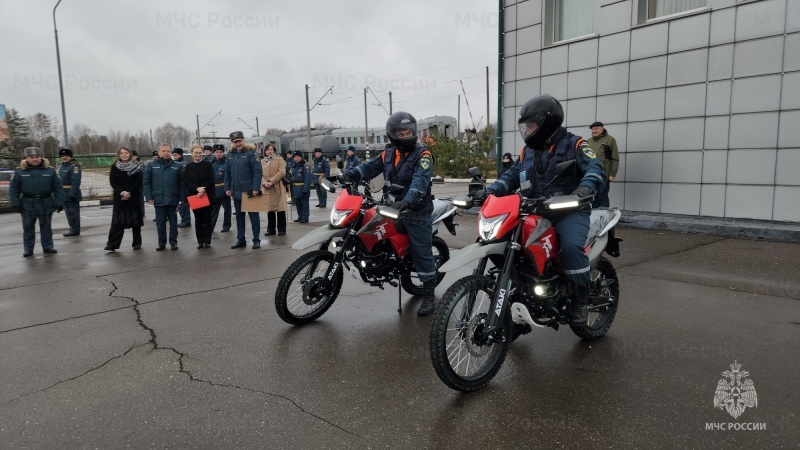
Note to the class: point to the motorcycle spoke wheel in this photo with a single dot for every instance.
(600, 319)
(463, 360)
(441, 253)
(301, 296)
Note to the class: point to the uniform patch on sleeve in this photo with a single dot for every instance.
(425, 162)
(76, 169)
(588, 152)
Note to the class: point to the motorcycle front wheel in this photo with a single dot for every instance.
(462, 359)
(441, 254)
(301, 296)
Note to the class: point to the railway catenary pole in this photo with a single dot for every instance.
(487, 99)
(60, 82)
(458, 126)
(308, 121)
(198, 129)
(366, 127)
(257, 133)
(390, 103)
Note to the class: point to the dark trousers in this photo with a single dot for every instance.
(185, 212)
(164, 213)
(202, 225)
(322, 194)
(72, 209)
(602, 199)
(419, 227)
(29, 218)
(278, 217)
(255, 223)
(116, 233)
(225, 202)
(572, 230)
(302, 207)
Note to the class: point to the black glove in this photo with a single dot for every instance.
(583, 191)
(17, 209)
(401, 206)
(347, 177)
(481, 195)
(59, 209)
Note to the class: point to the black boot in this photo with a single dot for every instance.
(580, 308)
(428, 297)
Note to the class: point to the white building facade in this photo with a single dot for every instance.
(702, 96)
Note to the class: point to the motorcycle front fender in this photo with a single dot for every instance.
(471, 253)
(321, 234)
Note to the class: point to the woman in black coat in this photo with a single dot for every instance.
(198, 180)
(126, 180)
(508, 161)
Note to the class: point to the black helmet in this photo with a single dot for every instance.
(546, 114)
(402, 121)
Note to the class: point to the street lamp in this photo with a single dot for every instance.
(60, 82)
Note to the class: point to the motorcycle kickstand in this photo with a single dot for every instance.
(399, 300)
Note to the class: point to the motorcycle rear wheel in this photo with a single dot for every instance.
(461, 361)
(600, 319)
(441, 253)
(299, 299)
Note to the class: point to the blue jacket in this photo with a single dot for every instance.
(220, 168)
(243, 173)
(301, 180)
(321, 167)
(70, 174)
(413, 170)
(41, 180)
(351, 162)
(162, 182)
(530, 174)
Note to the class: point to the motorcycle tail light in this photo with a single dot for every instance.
(338, 216)
(489, 226)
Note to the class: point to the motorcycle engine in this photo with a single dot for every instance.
(378, 265)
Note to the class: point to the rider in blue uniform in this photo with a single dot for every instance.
(409, 164)
(547, 144)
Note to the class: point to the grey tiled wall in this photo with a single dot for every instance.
(705, 106)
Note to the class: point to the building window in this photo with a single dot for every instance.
(660, 8)
(362, 139)
(572, 18)
(349, 141)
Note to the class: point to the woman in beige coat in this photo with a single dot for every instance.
(273, 168)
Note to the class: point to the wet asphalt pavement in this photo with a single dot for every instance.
(184, 349)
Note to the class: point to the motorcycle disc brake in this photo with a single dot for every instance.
(313, 292)
(475, 347)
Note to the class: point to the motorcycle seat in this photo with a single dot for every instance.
(599, 219)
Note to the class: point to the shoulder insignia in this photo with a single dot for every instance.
(588, 152)
(425, 161)
(76, 169)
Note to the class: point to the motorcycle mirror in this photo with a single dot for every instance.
(396, 189)
(561, 169)
(327, 185)
(475, 172)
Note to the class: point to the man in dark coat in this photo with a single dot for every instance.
(162, 189)
(301, 186)
(321, 170)
(243, 177)
(183, 208)
(70, 174)
(35, 192)
(220, 165)
(198, 180)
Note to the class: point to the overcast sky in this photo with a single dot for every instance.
(134, 65)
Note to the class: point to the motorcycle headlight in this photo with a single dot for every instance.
(338, 216)
(489, 226)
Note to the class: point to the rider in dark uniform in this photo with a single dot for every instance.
(409, 164)
(547, 144)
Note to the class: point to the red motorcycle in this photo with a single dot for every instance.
(481, 314)
(363, 237)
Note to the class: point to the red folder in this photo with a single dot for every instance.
(196, 202)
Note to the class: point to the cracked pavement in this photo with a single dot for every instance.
(184, 349)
